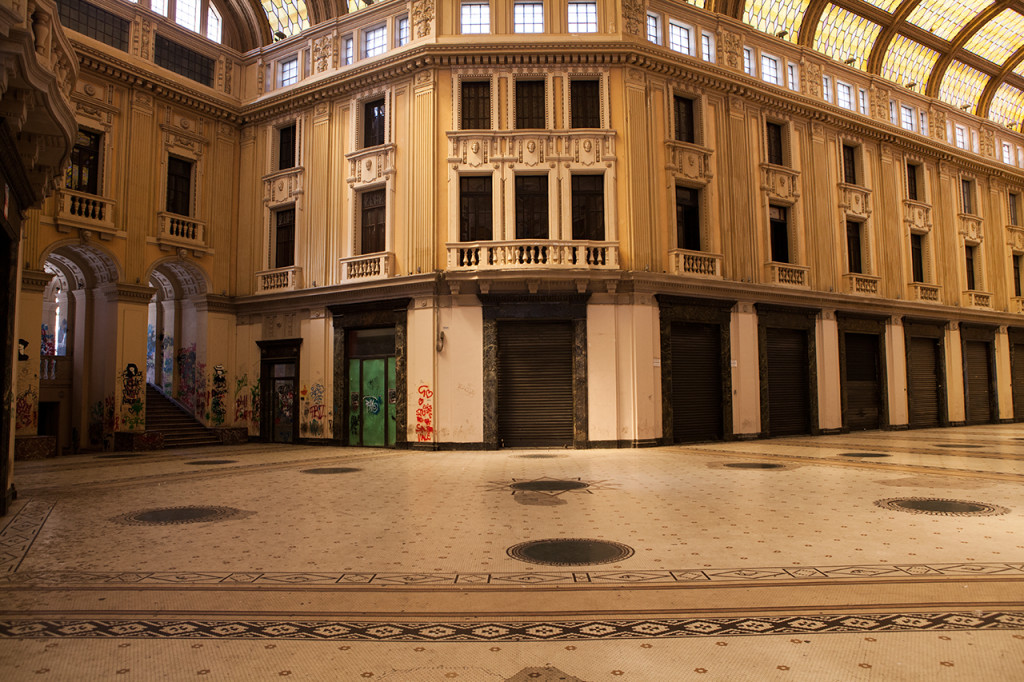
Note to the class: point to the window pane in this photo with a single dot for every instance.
(179, 186)
(284, 238)
(770, 69)
(403, 31)
(678, 38)
(685, 128)
(853, 247)
(372, 223)
(688, 219)
(582, 17)
(286, 147)
(779, 227)
(213, 25)
(654, 29)
(531, 207)
(476, 105)
(373, 123)
(849, 165)
(528, 17)
(476, 17)
(912, 182)
(588, 207)
(917, 256)
(187, 14)
(530, 104)
(290, 72)
(585, 102)
(375, 42)
(475, 214)
(84, 172)
(773, 132)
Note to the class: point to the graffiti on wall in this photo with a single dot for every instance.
(151, 354)
(314, 410)
(102, 422)
(425, 414)
(167, 354)
(133, 408)
(242, 398)
(187, 377)
(255, 411)
(219, 396)
(26, 403)
(25, 409)
(47, 343)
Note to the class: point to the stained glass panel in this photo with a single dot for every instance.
(887, 5)
(946, 18)
(962, 85)
(1008, 106)
(842, 35)
(286, 16)
(776, 16)
(999, 38)
(908, 61)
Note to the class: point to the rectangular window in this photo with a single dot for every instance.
(96, 23)
(967, 196)
(1013, 213)
(83, 174)
(528, 17)
(372, 222)
(960, 136)
(794, 81)
(892, 113)
(844, 95)
(826, 86)
(654, 28)
(289, 72)
(582, 17)
(375, 41)
(853, 247)
(863, 95)
(349, 52)
(969, 265)
(179, 186)
(531, 207)
(912, 182)
(923, 121)
(475, 214)
(187, 14)
(773, 137)
(906, 117)
(286, 147)
(685, 128)
(1007, 153)
(770, 69)
(678, 37)
(585, 104)
(917, 256)
(476, 105)
(588, 207)
(849, 164)
(402, 31)
(778, 224)
(688, 233)
(476, 17)
(183, 61)
(1016, 275)
(531, 105)
(373, 123)
(707, 47)
(748, 61)
(284, 238)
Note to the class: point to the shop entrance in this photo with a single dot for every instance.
(371, 388)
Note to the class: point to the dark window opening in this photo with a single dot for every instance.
(183, 61)
(373, 222)
(912, 189)
(179, 186)
(686, 129)
(286, 147)
(94, 22)
(1016, 276)
(773, 135)
(917, 256)
(853, 247)
(476, 105)
(1014, 203)
(585, 101)
(688, 218)
(967, 195)
(284, 238)
(475, 201)
(588, 207)
(779, 226)
(84, 172)
(849, 165)
(531, 207)
(530, 104)
(373, 123)
(969, 262)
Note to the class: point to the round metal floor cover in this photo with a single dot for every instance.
(864, 454)
(331, 470)
(570, 552)
(169, 516)
(548, 486)
(753, 465)
(941, 507)
(210, 462)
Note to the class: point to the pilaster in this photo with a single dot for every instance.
(896, 366)
(746, 377)
(830, 402)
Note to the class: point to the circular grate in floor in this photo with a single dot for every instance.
(331, 470)
(548, 486)
(570, 552)
(211, 462)
(538, 456)
(956, 445)
(753, 465)
(941, 507)
(863, 454)
(170, 516)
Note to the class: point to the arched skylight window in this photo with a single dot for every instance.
(286, 16)
(213, 24)
(189, 14)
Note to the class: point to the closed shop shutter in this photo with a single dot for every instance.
(535, 405)
(696, 382)
(923, 377)
(976, 359)
(863, 382)
(1018, 381)
(789, 399)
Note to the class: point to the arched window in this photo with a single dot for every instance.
(199, 16)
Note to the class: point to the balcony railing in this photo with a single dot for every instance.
(178, 230)
(373, 266)
(919, 291)
(971, 228)
(695, 263)
(56, 369)
(856, 283)
(917, 215)
(1017, 304)
(780, 182)
(787, 274)
(279, 279)
(977, 299)
(691, 161)
(525, 254)
(854, 200)
(85, 211)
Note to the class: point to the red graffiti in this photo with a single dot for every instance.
(425, 415)
(317, 411)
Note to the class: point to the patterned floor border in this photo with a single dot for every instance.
(511, 631)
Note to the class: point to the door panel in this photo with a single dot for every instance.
(789, 399)
(923, 382)
(863, 382)
(976, 361)
(696, 382)
(535, 384)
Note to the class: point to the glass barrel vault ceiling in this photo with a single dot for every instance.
(969, 53)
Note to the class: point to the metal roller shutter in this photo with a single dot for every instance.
(535, 406)
(976, 359)
(789, 399)
(696, 382)
(1018, 381)
(923, 377)
(863, 382)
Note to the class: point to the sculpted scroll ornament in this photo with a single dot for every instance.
(1015, 238)
(422, 16)
(633, 16)
(729, 49)
(811, 78)
(323, 48)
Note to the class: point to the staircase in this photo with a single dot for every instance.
(180, 429)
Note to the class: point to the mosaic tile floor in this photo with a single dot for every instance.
(348, 564)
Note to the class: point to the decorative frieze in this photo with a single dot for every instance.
(854, 201)
(780, 183)
(475, 149)
(1015, 238)
(971, 228)
(367, 166)
(689, 161)
(283, 187)
(917, 216)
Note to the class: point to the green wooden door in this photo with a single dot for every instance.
(372, 402)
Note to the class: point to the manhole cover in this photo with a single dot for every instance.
(168, 516)
(539, 456)
(548, 486)
(210, 462)
(753, 465)
(864, 454)
(570, 552)
(331, 470)
(941, 507)
(955, 445)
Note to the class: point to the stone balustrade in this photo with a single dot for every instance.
(919, 291)
(85, 211)
(56, 369)
(369, 267)
(279, 279)
(787, 274)
(527, 254)
(695, 263)
(180, 231)
(857, 283)
(977, 299)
